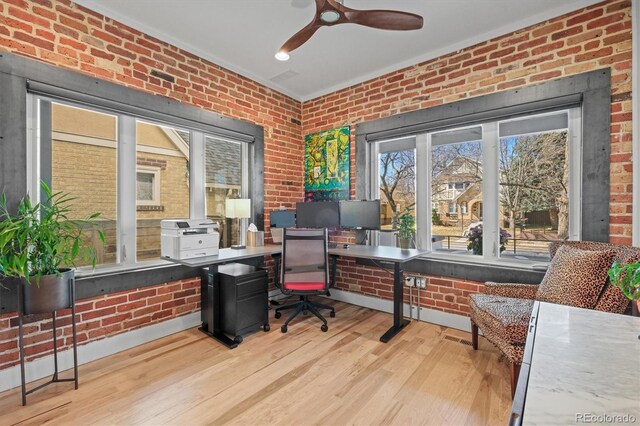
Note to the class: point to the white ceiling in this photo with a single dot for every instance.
(243, 35)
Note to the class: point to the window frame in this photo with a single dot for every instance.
(39, 144)
(155, 185)
(490, 181)
(591, 91)
(20, 75)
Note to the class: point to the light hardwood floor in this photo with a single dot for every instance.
(425, 375)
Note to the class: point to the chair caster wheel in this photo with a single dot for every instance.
(266, 327)
(283, 329)
(332, 314)
(278, 315)
(238, 339)
(324, 328)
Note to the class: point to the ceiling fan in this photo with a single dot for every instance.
(334, 12)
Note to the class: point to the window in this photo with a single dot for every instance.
(162, 163)
(395, 185)
(506, 186)
(148, 186)
(83, 163)
(534, 181)
(452, 207)
(80, 150)
(225, 177)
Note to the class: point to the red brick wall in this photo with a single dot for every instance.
(588, 39)
(64, 34)
(99, 317)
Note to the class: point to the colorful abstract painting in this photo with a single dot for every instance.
(326, 165)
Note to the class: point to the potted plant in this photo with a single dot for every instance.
(475, 239)
(406, 229)
(39, 244)
(627, 278)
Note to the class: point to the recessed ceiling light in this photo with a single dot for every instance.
(282, 56)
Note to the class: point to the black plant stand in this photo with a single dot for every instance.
(54, 378)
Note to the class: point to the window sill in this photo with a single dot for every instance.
(520, 264)
(110, 270)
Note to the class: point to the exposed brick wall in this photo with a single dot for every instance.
(595, 37)
(99, 317)
(64, 34)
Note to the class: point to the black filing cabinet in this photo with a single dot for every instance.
(244, 299)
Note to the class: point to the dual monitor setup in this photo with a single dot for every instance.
(345, 214)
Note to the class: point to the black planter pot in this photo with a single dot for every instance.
(51, 293)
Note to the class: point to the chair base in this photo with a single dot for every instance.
(305, 305)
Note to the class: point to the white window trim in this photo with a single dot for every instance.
(155, 199)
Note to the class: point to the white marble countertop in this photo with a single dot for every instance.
(585, 368)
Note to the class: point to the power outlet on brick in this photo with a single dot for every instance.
(420, 282)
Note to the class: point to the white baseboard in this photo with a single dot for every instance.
(460, 322)
(43, 367)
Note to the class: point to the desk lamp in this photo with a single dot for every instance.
(238, 208)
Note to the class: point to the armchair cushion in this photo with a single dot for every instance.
(503, 320)
(521, 291)
(576, 277)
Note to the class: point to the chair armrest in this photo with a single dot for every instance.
(519, 291)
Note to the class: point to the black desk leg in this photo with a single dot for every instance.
(210, 304)
(398, 321)
(334, 270)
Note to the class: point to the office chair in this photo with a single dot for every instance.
(304, 272)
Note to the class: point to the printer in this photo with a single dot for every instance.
(188, 238)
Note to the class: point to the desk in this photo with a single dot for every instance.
(210, 291)
(578, 363)
(384, 254)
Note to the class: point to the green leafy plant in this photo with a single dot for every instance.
(627, 278)
(475, 239)
(406, 226)
(40, 239)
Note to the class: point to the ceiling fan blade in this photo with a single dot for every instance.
(385, 19)
(299, 38)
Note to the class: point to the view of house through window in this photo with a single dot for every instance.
(531, 172)
(456, 186)
(162, 183)
(84, 164)
(133, 189)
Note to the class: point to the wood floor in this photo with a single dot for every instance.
(425, 375)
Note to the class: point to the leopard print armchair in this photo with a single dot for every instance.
(576, 277)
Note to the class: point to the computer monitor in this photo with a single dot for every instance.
(318, 214)
(282, 219)
(356, 214)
